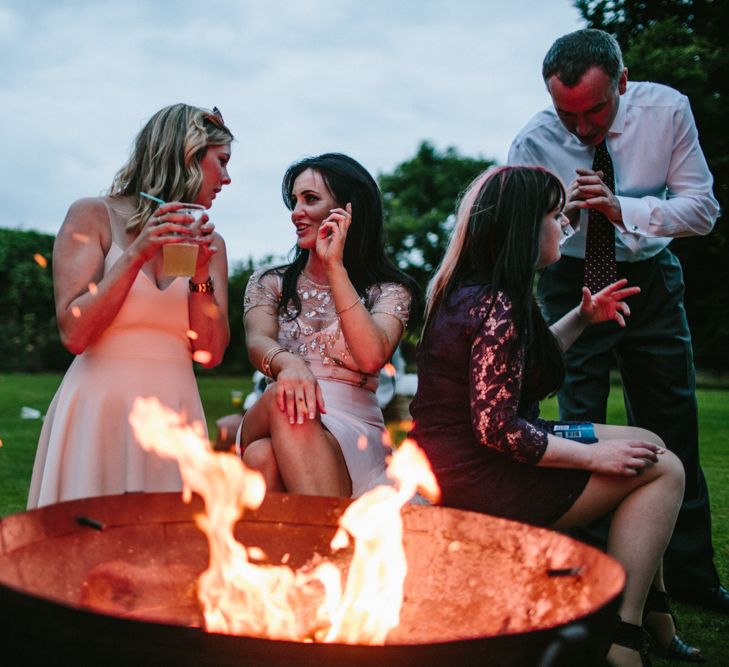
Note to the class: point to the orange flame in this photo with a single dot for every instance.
(374, 592)
(240, 597)
(40, 260)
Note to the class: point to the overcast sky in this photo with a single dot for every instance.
(371, 78)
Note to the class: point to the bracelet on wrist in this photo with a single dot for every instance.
(351, 305)
(207, 287)
(269, 357)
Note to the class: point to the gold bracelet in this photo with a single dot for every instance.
(269, 357)
(351, 305)
(270, 362)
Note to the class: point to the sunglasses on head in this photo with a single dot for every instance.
(215, 117)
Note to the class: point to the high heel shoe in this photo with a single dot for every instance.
(633, 637)
(677, 649)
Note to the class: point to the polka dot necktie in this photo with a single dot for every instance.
(600, 269)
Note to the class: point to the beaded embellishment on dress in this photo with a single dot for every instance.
(315, 333)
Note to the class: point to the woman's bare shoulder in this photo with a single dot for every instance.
(87, 220)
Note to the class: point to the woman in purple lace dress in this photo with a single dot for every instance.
(485, 360)
(322, 327)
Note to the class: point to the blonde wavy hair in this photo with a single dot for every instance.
(165, 161)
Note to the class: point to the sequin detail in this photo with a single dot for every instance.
(316, 333)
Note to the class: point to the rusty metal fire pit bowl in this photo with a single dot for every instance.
(111, 581)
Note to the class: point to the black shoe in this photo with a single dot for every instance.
(633, 637)
(676, 648)
(714, 599)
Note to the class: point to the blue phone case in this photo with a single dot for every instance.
(580, 432)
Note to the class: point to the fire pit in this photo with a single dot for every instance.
(111, 581)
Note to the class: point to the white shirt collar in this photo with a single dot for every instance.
(619, 122)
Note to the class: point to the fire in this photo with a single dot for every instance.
(396, 431)
(374, 591)
(40, 260)
(275, 601)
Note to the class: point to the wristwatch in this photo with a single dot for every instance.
(208, 287)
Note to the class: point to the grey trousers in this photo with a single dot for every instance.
(655, 359)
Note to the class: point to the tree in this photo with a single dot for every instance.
(28, 331)
(28, 327)
(420, 200)
(235, 361)
(681, 43)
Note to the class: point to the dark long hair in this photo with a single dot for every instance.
(495, 243)
(364, 250)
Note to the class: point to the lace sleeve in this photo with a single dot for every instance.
(262, 290)
(390, 298)
(496, 373)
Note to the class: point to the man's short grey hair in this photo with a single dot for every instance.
(573, 54)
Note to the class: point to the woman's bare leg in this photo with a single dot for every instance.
(308, 457)
(659, 624)
(259, 456)
(256, 423)
(645, 509)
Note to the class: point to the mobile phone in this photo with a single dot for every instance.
(583, 432)
(567, 231)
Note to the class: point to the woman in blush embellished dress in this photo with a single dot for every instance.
(485, 360)
(322, 327)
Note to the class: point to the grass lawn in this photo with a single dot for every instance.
(20, 436)
(709, 631)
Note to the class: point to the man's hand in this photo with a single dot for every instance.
(589, 191)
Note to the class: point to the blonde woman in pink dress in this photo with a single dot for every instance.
(128, 323)
(322, 327)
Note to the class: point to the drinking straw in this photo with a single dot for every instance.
(153, 198)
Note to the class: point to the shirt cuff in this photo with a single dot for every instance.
(636, 221)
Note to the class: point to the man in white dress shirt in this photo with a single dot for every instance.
(662, 190)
